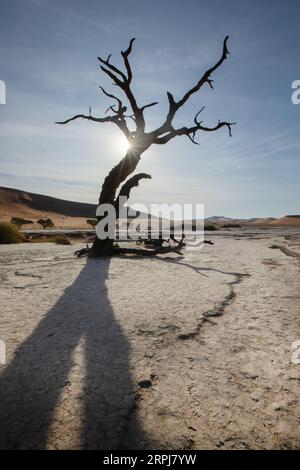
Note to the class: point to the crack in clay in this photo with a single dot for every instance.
(285, 251)
(218, 311)
(18, 273)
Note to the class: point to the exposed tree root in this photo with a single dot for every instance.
(83, 252)
(148, 252)
(153, 251)
(117, 250)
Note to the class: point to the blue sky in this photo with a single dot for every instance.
(49, 52)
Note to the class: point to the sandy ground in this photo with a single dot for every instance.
(189, 353)
(60, 222)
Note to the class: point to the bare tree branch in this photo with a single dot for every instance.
(123, 82)
(89, 118)
(139, 139)
(112, 67)
(121, 123)
(125, 55)
(192, 138)
(110, 95)
(138, 112)
(190, 132)
(149, 105)
(112, 109)
(206, 76)
(175, 105)
(115, 79)
(127, 187)
(196, 116)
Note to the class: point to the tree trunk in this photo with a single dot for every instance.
(101, 248)
(116, 176)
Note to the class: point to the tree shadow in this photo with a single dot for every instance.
(32, 384)
(178, 261)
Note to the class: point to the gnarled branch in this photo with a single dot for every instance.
(123, 81)
(125, 55)
(127, 187)
(112, 71)
(110, 95)
(112, 67)
(190, 132)
(206, 76)
(118, 120)
(166, 132)
(89, 118)
(149, 105)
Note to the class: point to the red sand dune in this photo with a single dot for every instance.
(264, 220)
(292, 220)
(65, 214)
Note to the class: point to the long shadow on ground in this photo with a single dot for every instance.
(33, 382)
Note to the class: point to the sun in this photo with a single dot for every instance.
(123, 144)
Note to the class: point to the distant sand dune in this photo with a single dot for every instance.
(65, 214)
(287, 220)
(72, 215)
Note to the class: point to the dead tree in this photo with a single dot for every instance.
(139, 140)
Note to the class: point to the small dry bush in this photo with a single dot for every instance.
(9, 233)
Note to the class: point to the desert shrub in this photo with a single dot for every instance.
(46, 222)
(19, 221)
(210, 227)
(61, 240)
(92, 222)
(9, 233)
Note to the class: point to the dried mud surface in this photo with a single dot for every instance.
(169, 353)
